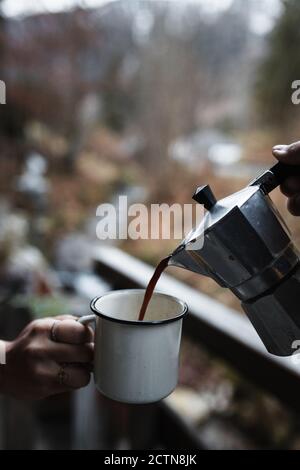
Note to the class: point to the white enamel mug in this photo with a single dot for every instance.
(136, 361)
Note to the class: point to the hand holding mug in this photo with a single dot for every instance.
(50, 356)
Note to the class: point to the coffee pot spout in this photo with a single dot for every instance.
(185, 258)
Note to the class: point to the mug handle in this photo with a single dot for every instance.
(85, 320)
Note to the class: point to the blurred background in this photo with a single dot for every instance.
(148, 99)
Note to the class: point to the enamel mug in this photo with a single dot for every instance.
(136, 361)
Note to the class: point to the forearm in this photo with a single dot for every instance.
(3, 347)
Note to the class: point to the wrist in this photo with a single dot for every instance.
(4, 346)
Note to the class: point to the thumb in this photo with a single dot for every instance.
(289, 154)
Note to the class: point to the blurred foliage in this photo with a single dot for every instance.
(280, 68)
(45, 306)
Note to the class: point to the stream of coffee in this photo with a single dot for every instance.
(151, 286)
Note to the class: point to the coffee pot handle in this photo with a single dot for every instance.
(275, 176)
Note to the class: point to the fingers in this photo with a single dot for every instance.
(294, 205)
(72, 332)
(58, 378)
(74, 376)
(73, 342)
(289, 154)
(77, 377)
(291, 187)
(65, 317)
(68, 353)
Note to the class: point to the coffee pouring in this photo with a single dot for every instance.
(244, 245)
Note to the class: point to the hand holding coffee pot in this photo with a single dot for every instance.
(290, 154)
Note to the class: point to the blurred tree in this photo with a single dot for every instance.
(56, 60)
(186, 81)
(280, 68)
(11, 119)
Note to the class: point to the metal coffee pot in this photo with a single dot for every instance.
(245, 246)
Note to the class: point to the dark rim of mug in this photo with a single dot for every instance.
(137, 322)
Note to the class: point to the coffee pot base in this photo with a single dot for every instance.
(276, 316)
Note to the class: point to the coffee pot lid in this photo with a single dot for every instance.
(218, 210)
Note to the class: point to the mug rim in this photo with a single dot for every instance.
(137, 322)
